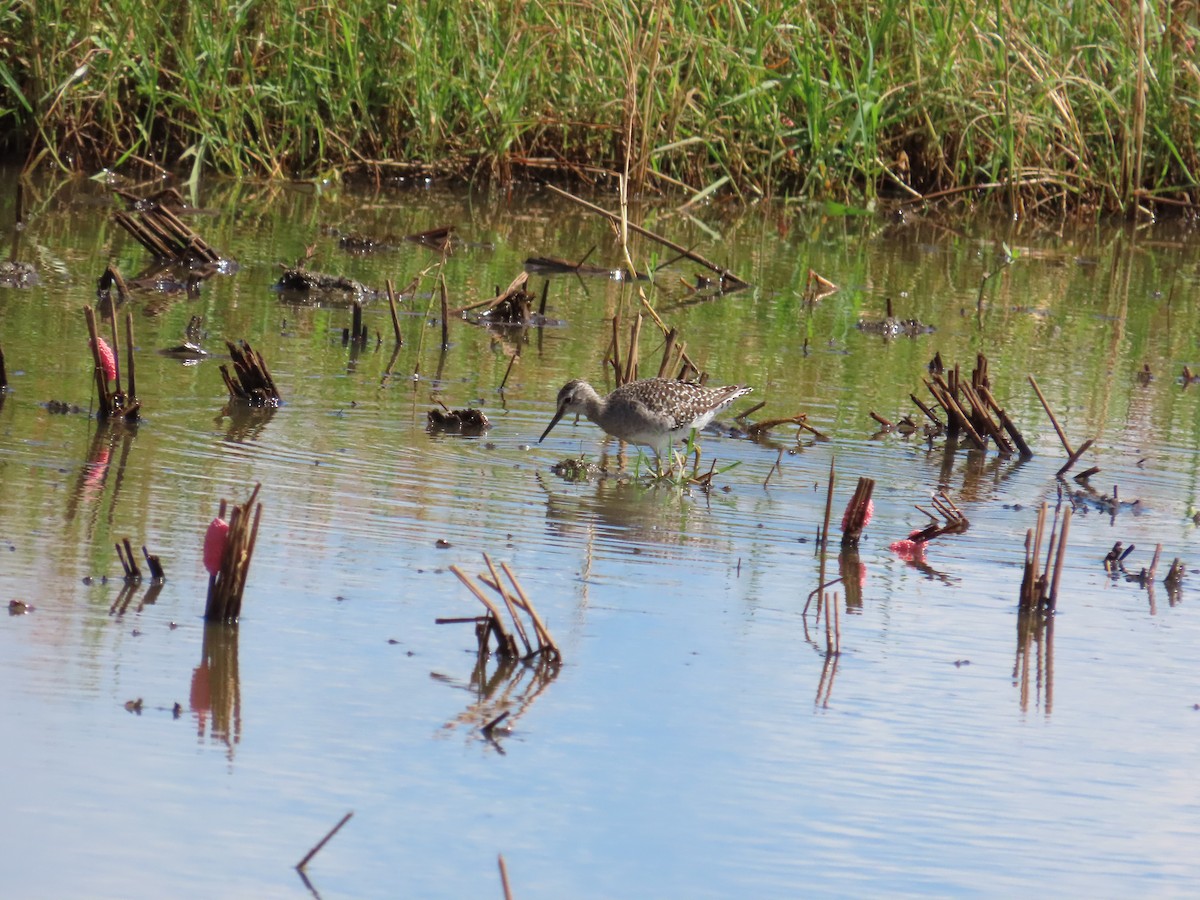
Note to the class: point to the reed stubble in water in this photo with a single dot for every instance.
(492, 625)
(228, 549)
(114, 402)
(1039, 590)
(253, 385)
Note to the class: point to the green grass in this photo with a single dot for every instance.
(1038, 105)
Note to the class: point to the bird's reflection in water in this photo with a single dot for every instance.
(653, 519)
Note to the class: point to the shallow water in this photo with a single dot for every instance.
(697, 741)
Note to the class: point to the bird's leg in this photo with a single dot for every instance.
(691, 448)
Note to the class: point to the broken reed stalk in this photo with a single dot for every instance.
(110, 279)
(1039, 590)
(663, 367)
(512, 361)
(116, 348)
(130, 380)
(929, 413)
(726, 275)
(760, 429)
(1074, 458)
(491, 624)
(612, 356)
(1029, 571)
(508, 895)
(165, 235)
(115, 401)
(775, 468)
(545, 643)
(1008, 424)
(506, 645)
(1072, 455)
(819, 287)
(1060, 554)
(146, 235)
(982, 419)
(128, 562)
(944, 394)
(945, 506)
(227, 575)
(254, 384)
(544, 638)
(325, 840)
(824, 538)
(154, 564)
(746, 413)
(970, 407)
(516, 287)
(952, 520)
(105, 397)
(728, 279)
(357, 334)
(858, 512)
(1053, 420)
(497, 585)
(191, 242)
(1046, 573)
(631, 365)
(677, 361)
(391, 295)
(445, 298)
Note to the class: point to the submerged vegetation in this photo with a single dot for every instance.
(1039, 105)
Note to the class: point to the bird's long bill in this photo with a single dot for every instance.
(558, 415)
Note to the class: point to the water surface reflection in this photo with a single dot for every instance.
(697, 740)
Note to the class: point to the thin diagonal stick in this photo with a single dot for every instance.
(503, 637)
(1062, 437)
(499, 586)
(325, 840)
(543, 633)
(504, 879)
(620, 220)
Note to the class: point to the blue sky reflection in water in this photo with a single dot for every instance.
(681, 750)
